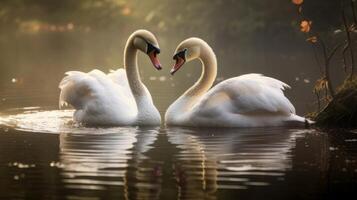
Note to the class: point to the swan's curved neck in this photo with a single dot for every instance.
(184, 104)
(132, 71)
(208, 75)
(147, 112)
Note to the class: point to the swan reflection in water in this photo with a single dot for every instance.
(215, 160)
(94, 163)
(177, 163)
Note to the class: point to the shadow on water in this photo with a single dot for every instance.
(169, 163)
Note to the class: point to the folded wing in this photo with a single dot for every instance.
(247, 94)
(80, 89)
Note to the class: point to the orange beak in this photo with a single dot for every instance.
(155, 61)
(179, 62)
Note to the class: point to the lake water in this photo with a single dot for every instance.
(46, 156)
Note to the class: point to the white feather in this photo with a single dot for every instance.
(98, 98)
(250, 100)
(251, 93)
(109, 99)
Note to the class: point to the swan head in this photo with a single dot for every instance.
(187, 51)
(146, 42)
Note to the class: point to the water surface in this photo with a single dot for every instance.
(44, 155)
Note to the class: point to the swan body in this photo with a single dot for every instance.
(117, 98)
(250, 100)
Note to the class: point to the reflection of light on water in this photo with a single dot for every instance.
(33, 119)
(36, 119)
(97, 162)
(136, 163)
(160, 78)
(230, 158)
(95, 159)
(21, 165)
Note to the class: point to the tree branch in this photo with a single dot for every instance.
(327, 58)
(348, 35)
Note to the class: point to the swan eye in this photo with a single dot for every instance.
(152, 48)
(180, 54)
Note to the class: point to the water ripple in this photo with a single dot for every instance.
(77, 162)
(214, 159)
(42, 120)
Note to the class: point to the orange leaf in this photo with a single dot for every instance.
(321, 84)
(305, 26)
(297, 2)
(126, 11)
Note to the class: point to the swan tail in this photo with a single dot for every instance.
(297, 121)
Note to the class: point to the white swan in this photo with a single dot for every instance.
(117, 98)
(250, 100)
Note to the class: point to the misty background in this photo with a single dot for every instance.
(40, 40)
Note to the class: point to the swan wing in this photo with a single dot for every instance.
(246, 94)
(119, 77)
(79, 89)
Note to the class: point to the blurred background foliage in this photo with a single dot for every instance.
(41, 39)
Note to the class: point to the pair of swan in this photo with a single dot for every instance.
(120, 97)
